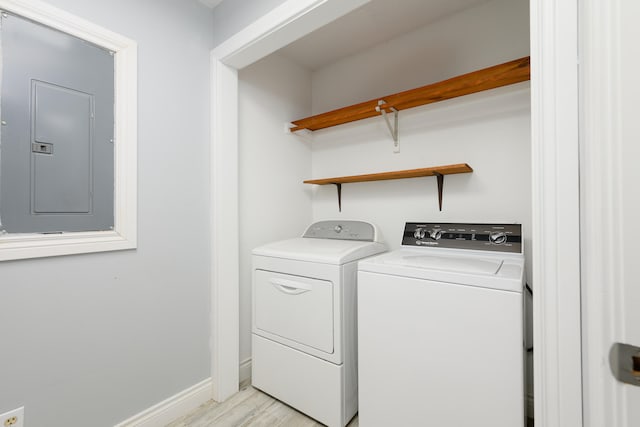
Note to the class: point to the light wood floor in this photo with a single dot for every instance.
(251, 408)
(248, 408)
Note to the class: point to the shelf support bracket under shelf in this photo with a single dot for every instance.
(393, 129)
(339, 188)
(440, 179)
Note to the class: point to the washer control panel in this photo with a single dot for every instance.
(342, 230)
(483, 237)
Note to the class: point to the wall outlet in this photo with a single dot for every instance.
(13, 418)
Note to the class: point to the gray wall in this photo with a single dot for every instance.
(90, 340)
(231, 16)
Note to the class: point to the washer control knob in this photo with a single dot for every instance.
(498, 237)
(419, 233)
(435, 234)
(337, 228)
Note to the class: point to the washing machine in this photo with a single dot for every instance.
(440, 328)
(304, 318)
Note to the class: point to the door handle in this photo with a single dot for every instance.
(624, 360)
(290, 287)
(42, 147)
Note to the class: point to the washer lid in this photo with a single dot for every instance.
(470, 268)
(458, 264)
(326, 251)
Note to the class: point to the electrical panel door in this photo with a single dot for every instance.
(56, 150)
(61, 149)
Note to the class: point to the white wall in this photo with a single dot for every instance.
(274, 204)
(479, 37)
(490, 130)
(90, 340)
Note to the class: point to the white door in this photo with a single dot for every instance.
(293, 310)
(610, 189)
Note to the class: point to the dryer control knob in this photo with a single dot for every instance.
(498, 237)
(337, 228)
(419, 233)
(436, 234)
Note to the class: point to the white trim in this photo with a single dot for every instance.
(556, 233)
(281, 26)
(124, 235)
(245, 369)
(66, 22)
(603, 319)
(172, 408)
(224, 228)
(285, 24)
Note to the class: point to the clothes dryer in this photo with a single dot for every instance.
(304, 318)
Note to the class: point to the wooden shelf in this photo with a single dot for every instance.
(488, 78)
(438, 171)
(410, 173)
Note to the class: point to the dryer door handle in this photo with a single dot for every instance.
(290, 287)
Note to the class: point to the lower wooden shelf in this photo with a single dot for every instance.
(437, 171)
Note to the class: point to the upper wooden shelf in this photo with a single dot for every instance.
(477, 81)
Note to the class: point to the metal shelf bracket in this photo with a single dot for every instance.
(339, 188)
(440, 179)
(393, 129)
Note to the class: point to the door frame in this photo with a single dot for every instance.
(286, 23)
(556, 213)
(555, 177)
(601, 148)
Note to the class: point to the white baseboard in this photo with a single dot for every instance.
(172, 408)
(245, 369)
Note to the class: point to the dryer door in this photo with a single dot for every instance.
(295, 308)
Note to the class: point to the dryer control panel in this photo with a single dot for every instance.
(343, 230)
(482, 237)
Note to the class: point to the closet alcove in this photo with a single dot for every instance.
(381, 49)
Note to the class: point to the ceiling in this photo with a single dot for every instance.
(367, 26)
